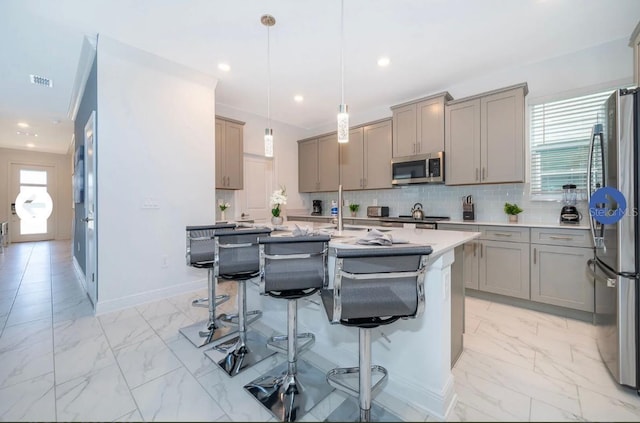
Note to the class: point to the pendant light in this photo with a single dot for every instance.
(268, 21)
(343, 109)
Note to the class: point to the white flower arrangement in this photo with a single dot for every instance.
(278, 198)
(223, 206)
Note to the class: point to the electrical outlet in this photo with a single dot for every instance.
(374, 202)
(164, 261)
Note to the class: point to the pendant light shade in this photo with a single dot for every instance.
(343, 109)
(268, 21)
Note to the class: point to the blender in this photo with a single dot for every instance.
(569, 212)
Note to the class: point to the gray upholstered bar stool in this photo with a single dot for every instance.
(372, 287)
(237, 259)
(292, 268)
(200, 253)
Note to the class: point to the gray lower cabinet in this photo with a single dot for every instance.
(504, 268)
(558, 269)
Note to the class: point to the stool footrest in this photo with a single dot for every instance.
(204, 302)
(274, 341)
(334, 377)
(232, 319)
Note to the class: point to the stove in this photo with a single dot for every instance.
(427, 222)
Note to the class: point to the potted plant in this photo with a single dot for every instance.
(278, 198)
(354, 209)
(223, 206)
(512, 210)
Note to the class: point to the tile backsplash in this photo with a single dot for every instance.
(443, 200)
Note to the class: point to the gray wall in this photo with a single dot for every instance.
(88, 103)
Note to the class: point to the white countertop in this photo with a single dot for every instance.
(440, 241)
(584, 224)
(521, 223)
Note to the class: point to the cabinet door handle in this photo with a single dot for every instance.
(535, 254)
(481, 251)
(475, 246)
(564, 238)
(476, 173)
(484, 174)
(502, 234)
(364, 182)
(414, 148)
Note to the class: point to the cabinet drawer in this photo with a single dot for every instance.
(568, 237)
(457, 227)
(504, 233)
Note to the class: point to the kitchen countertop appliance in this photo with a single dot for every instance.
(377, 211)
(613, 180)
(417, 212)
(317, 208)
(569, 212)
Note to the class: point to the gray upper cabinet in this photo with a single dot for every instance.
(318, 164)
(365, 161)
(418, 126)
(308, 165)
(462, 143)
(229, 154)
(484, 138)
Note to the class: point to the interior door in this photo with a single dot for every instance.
(258, 187)
(91, 274)
(32, 195)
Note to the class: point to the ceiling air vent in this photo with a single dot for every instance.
(40, 80)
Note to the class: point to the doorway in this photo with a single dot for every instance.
(32, 198)
(258, 186)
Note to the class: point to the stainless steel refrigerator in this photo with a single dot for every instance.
(613, 163)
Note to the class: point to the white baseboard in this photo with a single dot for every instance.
(438, 405)
(138, 299)
(79, 273)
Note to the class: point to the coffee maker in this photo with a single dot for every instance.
(317, 208)
(569, 212)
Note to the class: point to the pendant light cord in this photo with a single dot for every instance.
(268, 79)
(342, 50)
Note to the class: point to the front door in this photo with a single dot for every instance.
(32, 195)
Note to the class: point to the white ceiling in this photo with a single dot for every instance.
(432, 44)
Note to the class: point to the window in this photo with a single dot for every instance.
(559, 138)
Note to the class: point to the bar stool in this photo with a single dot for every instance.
(200, 254)
(237, 259)
(292, 268)
(372, 287)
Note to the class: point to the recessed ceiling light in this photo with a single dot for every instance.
(31, 145)
(23, 124)
(298, 98)
(383, 61)
(27, 134)
(224, 67)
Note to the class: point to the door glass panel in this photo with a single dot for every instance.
(35, 177)
(33, 206)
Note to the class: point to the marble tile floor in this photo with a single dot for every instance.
(58, 362)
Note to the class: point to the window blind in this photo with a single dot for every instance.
(559, 136)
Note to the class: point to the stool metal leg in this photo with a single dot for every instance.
(246, 348)
(293, 388)
(362, 410)
(206, 331)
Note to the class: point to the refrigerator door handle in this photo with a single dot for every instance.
(596, 131)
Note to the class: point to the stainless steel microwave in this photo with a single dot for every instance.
(422, 169)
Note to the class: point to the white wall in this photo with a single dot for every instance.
(62, 204)
(155, 141)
